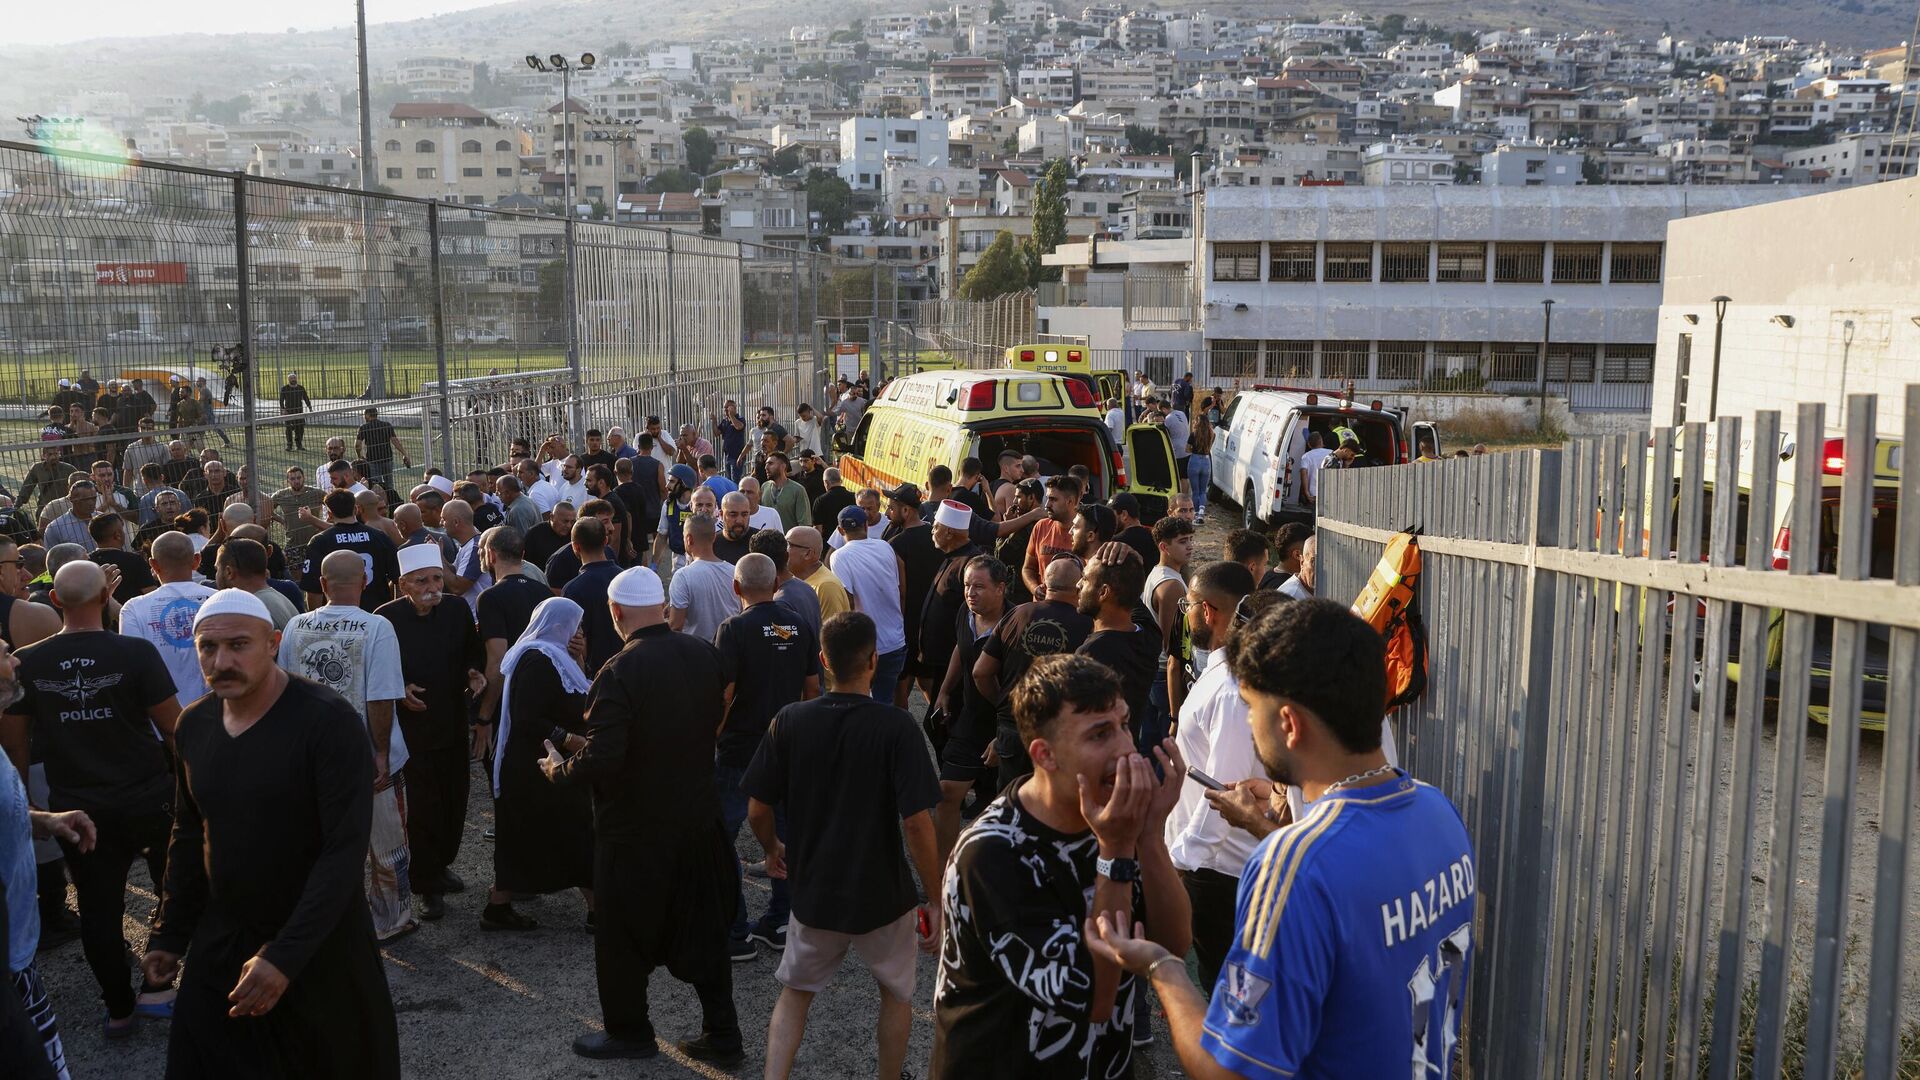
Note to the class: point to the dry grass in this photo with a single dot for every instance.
(1497, 427)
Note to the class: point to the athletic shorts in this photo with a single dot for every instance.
(960, 759)
(812, 957)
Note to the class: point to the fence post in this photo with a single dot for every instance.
(793, 271)
(673, 406)
(439, 341)
(243, 310)
(576, 412)
(879, 373)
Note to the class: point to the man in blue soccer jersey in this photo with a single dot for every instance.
(1353, 925)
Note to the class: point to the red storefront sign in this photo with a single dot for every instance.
(165, 273)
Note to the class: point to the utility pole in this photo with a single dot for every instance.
(1713, 389)
(374, 319)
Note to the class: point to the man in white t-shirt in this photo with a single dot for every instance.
(165, 615)
(763, 517)
(873, 575)
(1117, 422)
(535, 487)
(356, 654)
(1310, 463)
(700, 597)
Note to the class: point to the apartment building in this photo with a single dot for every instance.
(867, 143)
(433, 75)
(1530, 166)
(448, 151)
(965, 84)
(1858, 157)
(1054, 86)
(758, 210)
(1392, 164)
(909, 189)
(1390, 285)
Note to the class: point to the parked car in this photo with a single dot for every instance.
(481, 337)
(135, 337)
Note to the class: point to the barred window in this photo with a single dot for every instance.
(1349, 262)
(1576, 264)
(1454, 358)
(326, 273)
(1464, 262)
(471, 146)
(1228, 358)
(1519, 264)
(1628, 364)
(1570, 362)
(1403, 262)
(425, 174)
(1402, 359)
(1514, 362)
(1636, 264)
(424, 146)
(1289, 360)
(472, 171)
(1343, 359)
(1292, 262)
(1236, 262)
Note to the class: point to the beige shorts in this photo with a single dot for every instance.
(812, 957)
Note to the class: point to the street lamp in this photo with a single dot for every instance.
(558, 62)
(1546, 342)
(1713, 389)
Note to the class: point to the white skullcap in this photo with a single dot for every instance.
(420, 557)
(232, 602)
(440, 484)
(637, 587)
(64, 382)
(953, 514)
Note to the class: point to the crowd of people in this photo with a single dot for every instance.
(983, 717)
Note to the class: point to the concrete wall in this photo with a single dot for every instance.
(1844, 266)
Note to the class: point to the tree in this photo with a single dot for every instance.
(1049, 220)
(1000, 271)
(700, 149)
(1591, 172)
(997, 10)
(672, 180)
(830, 197)
(1393, 26)
(1145, 140)
(787, 159)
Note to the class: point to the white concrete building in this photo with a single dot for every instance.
(867, 143)
(1391, 285)
(1800, 326)
(1392, 164)
(1859, 157)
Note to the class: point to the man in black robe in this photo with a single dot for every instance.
(273, 811)
(442, 661)
(656, 819)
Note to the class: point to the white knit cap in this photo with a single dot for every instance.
(232, 602)
(954, 514)
(440, 484)
(637, 587)
(420, 557)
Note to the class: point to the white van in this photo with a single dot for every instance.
(1263, 435)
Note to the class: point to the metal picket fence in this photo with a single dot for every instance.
(1650, 669)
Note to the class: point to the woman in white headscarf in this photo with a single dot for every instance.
(543, 832)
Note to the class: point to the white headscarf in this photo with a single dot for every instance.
(547, 632)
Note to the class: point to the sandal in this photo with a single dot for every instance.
(122, 1029)
(503, 917)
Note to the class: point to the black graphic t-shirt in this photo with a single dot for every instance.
(87, 695)
(1014, 994)
(377, 555)
(1028, 632)
(767, 652)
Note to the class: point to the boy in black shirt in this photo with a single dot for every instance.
(852, 775)
(1108, 592)
(1047, 626)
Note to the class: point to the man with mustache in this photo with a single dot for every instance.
(275, 798)
(444, 665)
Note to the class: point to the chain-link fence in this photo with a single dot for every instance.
(259, 319)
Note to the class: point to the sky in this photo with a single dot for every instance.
(50, 24)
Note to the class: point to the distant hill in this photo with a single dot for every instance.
(36, 79)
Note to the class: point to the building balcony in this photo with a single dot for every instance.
(1146, 301)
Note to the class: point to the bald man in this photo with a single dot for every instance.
(93, 700)
(164, 616)
(1052, 624)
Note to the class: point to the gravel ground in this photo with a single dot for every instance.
(478, 1004)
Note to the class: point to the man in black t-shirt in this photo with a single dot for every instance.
(852, 775)
(1108, 592)
(505, 609)
(1020, 995)
(346, 532)
(1133, 532)
(911, 538)
(293, 401)
(99, 704)
(827, 507)
(771, 659)
(109, 532)
(377, 442)
(1029, 632)
(542, 541)
(596, 452)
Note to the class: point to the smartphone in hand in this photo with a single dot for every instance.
(1204, 780)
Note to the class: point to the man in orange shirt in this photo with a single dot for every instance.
(1052, 535)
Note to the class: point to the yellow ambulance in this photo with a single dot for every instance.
(944, 417)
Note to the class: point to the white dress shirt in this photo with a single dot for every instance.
(1215, 737)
